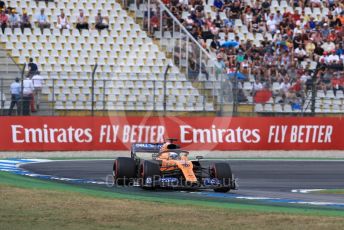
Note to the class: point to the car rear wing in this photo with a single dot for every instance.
(153, 148)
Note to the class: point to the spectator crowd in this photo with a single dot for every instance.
(10, 18)
(280, 43)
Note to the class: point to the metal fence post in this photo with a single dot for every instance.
(154, 102)
(173, 41)
(148, 17)
(92, 90)
(104, 88)
(161, 25)
(187, 57)
(22, 89)
(2, 99)
(53, 98)
(165, 96)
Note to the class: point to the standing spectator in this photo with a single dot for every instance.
(13, 19)
(15, 89)
(37, 81)
(62, 21)
(82, 21)
(28, 90)
(42, 20)
(219, 66)
(154, 23)
(337, 84)
(32, 67)
(271, 24)
(25, 21)
(100, 24)
(3, 20)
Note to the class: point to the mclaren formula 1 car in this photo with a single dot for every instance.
(171, 168)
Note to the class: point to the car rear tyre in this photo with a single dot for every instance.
(123, 170)
(222, 172)
(149, 174)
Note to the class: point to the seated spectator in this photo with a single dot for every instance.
(257, 86)
(284, 88)
(263, 95)
(341, 17)
(315, 3)
(310, 47)
(100, 24)
(306, 76)
(333, 58)
(296, 103)
(328, 46)
(215, 44)
(62, 21)
(3, 20)
(13, 19)
(300, 53)
(297, 88)
(82, 21)
(324, 80)
(25, 21)
(218, 5)
(42, 20)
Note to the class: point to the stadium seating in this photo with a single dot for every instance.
(130, 65)
(242, 32)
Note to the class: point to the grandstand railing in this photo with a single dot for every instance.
(186, 52)
(64, 94)
(68, 95)
(176, 39)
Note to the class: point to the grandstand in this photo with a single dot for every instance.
(279, 43)
(269, 31)
(130, 66)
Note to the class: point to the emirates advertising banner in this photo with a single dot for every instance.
(193, 133)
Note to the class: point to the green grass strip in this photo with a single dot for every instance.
(331, 191)
(33, 183)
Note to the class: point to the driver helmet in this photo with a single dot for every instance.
(173, 155)
(164, 148)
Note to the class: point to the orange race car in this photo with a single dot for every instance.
(171, 168)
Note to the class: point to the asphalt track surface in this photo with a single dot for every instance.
(257, 178)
